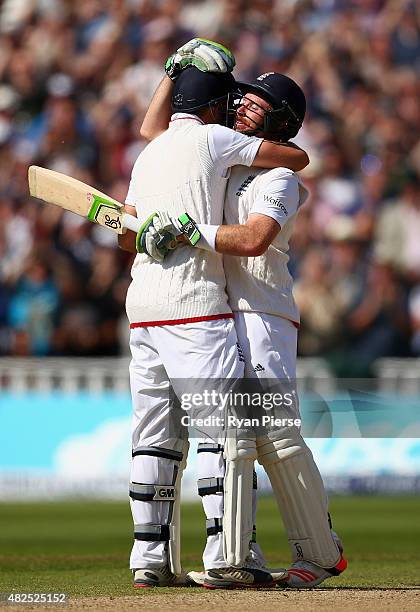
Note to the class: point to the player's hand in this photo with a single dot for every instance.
(160, 234)
(157, 236)
(206, 55)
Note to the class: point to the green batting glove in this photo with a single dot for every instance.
(206, 55)
(157, 236)
(188, 227)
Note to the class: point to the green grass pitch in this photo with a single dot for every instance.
(81, 548)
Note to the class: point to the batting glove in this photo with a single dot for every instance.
(206, 55)
(159, 234)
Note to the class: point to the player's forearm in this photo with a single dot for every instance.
(250, 239)
(159, 112)
(127, 241)
(276, 155)
(239, 240)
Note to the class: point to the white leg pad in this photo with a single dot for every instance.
(211, 473)
(240, 454)
(301, 497)
(174, 544)
(156, 474)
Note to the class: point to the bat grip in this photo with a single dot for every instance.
(131, 223)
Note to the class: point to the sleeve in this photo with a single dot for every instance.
(278, 196)
(132, 198)
(229, 148)
(131, 193)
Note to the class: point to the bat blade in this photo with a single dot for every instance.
(77, 197)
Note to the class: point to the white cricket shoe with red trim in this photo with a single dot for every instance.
(305, 575)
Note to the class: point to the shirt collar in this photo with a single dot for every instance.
(183, 116)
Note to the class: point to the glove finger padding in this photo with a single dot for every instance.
(211, 56)
(157, 236)
(157, 244)
(151, 247)
(163, 224)
(221, 50)
(224, 58)
(209, 59)
(206, 55)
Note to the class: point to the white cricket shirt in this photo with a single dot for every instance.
(263, 284)
(185, 169)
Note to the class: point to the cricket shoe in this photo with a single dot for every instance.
(237, 578)
(252, 575)
(252, 563)
(157, 577)
(305, 575)
(198, 578)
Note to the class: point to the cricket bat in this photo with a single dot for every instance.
(82, 199)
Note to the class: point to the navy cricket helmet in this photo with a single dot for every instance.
(194, 89)
(288, 102)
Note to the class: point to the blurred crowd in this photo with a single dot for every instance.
(76, 77)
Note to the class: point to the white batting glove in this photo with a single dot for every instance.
(206, 55)
(157, 236)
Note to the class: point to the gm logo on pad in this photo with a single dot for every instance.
(164, 493)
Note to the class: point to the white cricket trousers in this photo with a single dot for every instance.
(269, 346)
(267, 341)
(167, 359)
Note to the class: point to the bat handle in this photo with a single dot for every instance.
(131, 223)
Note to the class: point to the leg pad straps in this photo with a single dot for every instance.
(152, 533)
(151, 492)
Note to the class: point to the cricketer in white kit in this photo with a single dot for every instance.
(260, 211)
(181, 323)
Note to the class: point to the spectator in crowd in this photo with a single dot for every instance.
(320, 306)
(347, 256)
(376, 326)
(33, 308)
(398, 232)
(76, 79)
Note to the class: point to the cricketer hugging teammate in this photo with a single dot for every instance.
(211, 300)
